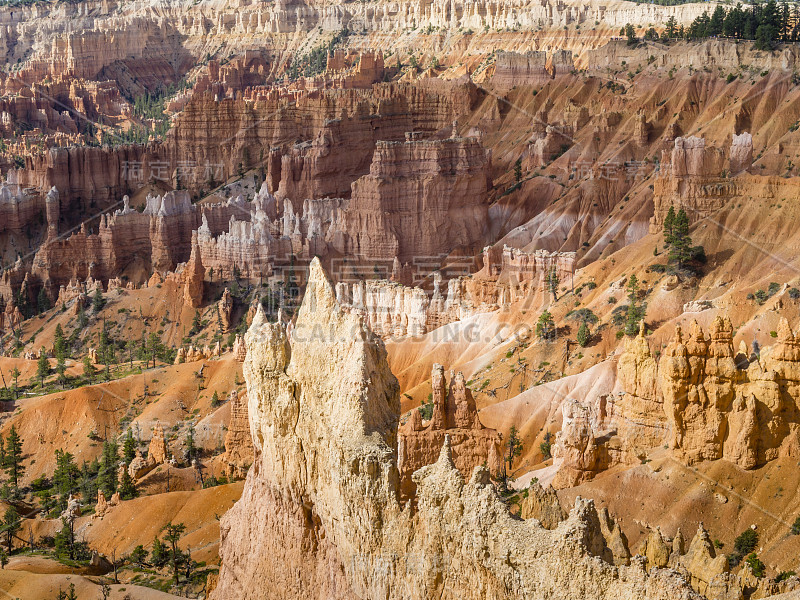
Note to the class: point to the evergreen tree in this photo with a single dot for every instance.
(109, 465)
(129, 448)
(89, 371)
(196, 323)
(669, 224)
(89, 483)
(64, 540)
(716, 25)
(552, 282)
(518, 170)
(583, 336)
(43, 301)
(15, 375)
(546, 326)
(127, 487)
(59, 343)
(630, 33)
(176, 557)
(98, 302)
(159, 555)
(61, 371)
(191, 448)
(3, 558)
(671, 30)
(42, 366)
(512, 450)
(768, 30)
(13, 457)
(12, 523)
(83, 320)
(634, 314)
(680, 242)
(66, 476)
(139, 556)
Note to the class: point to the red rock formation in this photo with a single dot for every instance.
(454, 415)
(531, 68)
(193, 276)
(421, 198)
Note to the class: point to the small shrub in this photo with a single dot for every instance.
(794, 293)
(784, 575)
(796, 526)
(612, 300)
(755, 564)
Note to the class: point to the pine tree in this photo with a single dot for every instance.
(680, 242)
(129, 448)
(768, 30)
(583, 336)
(15, 375)
(634, 310)
(83, 321)
(88, 369)
(127, 487)
(518, 170)
(43, 301)
(66, 475)
(138, 556)
(89, 483)
(715, 26)
(98, 302)
(59, 343)
(42, 366)
(671, 30)
(552, 282)
(61, 371)
(13, 459)
(512, 450)
(191, 448)
(546, 327)
(12, 523)
(159, 556)
(173, 535)
(669, 224)
(107, 477)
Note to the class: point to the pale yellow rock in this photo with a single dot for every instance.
(319, 515)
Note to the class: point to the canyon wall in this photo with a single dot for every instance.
(420, 199)
(320, 512)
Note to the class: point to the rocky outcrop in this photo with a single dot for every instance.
(724, 404)
(420, 199)
(542, 504)
(577, 453)
(193, 275)
(531, 68)
(697, 177)
(157, 451)
(320, 513)
(455, 416)
(238, 443)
